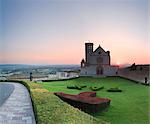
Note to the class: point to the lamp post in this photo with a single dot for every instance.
(31, 77)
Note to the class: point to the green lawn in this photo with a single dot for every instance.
(49, 109)
(132, 106)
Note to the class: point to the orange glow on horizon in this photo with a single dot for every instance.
(118, 63)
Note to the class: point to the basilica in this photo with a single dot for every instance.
(97, 62)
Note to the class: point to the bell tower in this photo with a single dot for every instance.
(88, 51)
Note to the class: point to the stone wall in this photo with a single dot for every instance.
(88, 71)
(110, 70)
(137, 75)
(91, 70)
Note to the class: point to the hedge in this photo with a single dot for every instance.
(49, 109)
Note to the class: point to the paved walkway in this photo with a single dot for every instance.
(17, 109)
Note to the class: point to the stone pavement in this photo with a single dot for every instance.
(17, 109)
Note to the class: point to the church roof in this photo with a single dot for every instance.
(99, 49)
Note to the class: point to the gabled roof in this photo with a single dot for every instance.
(99, 49)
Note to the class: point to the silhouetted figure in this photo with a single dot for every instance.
(31, 77)
(116, 72)
(146, 80)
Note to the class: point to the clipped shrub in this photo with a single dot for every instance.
(71, 87)
(83, 86)
(96, 88)
(78, 87)
(115, 89)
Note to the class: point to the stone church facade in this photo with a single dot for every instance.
(97, 63)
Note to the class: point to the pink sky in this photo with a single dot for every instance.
(54, 32)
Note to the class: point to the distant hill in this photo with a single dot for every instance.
(17, 67)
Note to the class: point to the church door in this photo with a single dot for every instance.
(99, 71)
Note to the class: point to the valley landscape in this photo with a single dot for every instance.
(74, 62)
